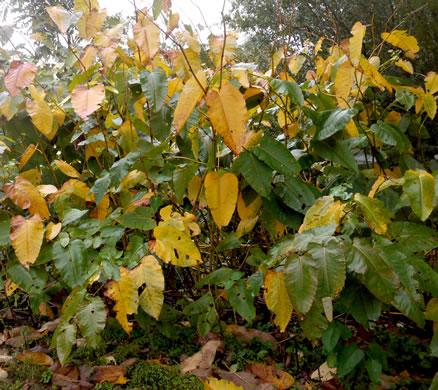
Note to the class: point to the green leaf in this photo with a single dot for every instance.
(434, 385)
(220, 277)
(337, 152)
(376, 215)
(277, 156)
(434, 346)
(91, 320)
(71, 304)
(301, 276)
(154, 86)
(314, 323)
(65, 336)
(241, 300)
(427, 276)
(73, 215)
(101, 186)
(273, 207)
(157, 7)
(419, 186)
(71, 262)
(348, 359)
(121, 168)
(140, 218)
(331, 121)
(32, 281)
(289, 88)
(255, 172)
(330, 261)
(5, 223)
(296, 194)
(204, 312)
(374, 369)
(414, 237)
(391, 136)
(331, 337)
(431, 312)
(181, 179)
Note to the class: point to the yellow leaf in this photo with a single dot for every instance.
(277, 298)
(401, 39)
(149, 272)
(248, 211)
(86, 5)
(91, 23)
(25, 195)
(343, 83)
(175, 85)
(189, 98)
(370, 71)
(352, 129)
(101, 211)
(217, 47)
(191, 41)
(10, 287)
(132, 179)
(356, 41)
(52, 230)
(88, 57)
(324, 212)
(241, 74)
(42, 117)
(19, 76)
(429, 105)
(85, 101)
(405, 65)
(175, 246)
(28, 153)
(39, 358)
(196, 191)
(228, 115)
(318, 46)
(67, 169)
(180, 64)
(148, 39)
(59, 115)
(125, 294)
(220, 384)
(27, 237)
(246, 225)
(431, 81)
(32, 175)
(128, 136)
(376, 186)
(221, 193)
(108, 56)
(47, 189)
(173, 23)
(61, 17)
(296, 62)
(79, 189)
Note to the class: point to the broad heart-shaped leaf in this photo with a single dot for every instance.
(125, 294)
(61, 17)
(277, 298)
(290, 89)
(324, 212)
(221, 193)
(419, 186)
(67, 169)
(228, 115)
(255, 172)
(150, 272)
(189, 98)
(413, 237)
(332, 121)
(42, 117)
(175, 246)
(20, 75)
(154, 87)
(87, 100)
(348, 359)
(314, 323)
(401, 39)
(376, 215)
(301, 276)
(140, 218)
(27, 237)
(71, 262)
(296, 194)
(391, 136)
(241, 300)
(330, 261)
(337, 152)
(91, 320)
(379, 277)
(65, 336)
(148, 39)
(277, 156)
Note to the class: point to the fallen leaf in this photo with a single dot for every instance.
(3, 374)
(38, 358)
(245, 379)
(201, 361)
(270, 374)
(220, 384)
(110, 374)
(324, 373)
(245, 335)
(50, 326)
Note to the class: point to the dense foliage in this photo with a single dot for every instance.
(149, 168)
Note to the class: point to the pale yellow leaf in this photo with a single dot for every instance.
(296, 62)
(85, 101)
(220, 384)
(431, 81)
(405, 65)
(42, 117)
(61, 17)
(27, 237)
(190, 40)
(343, 83)
(26, 156)
(179, 62)
(241, 74)
(32, 175)
(91, 23)
(67, 169)
(401, 39)
(19, 76)
(430, 105)
(189, 98)
(125, 294)
(379, 181)
(86, 5)
(148, 39)
(132, 179)
(356, 41)
(196, 192)
(79, 189)
(277, 299)
(221, 194)
(10, 287)
(370, 71)
(173, 23)
(108, 56)
(228, 115)
(25, 195)
(52, 230)
(248, 211)
(324, 212)
(88, 58)
(217, 48)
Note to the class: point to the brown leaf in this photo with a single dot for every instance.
(245, 379)
(50, 326)
(110, 374)
(19, 76)
(38, 358)
(270, 374)
(71, 372)
(245, 335)
(201, 361)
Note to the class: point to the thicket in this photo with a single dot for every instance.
(148, 168)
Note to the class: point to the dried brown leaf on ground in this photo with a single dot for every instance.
(38, 358)
(245, 335)
(200, 363)
(245, 379)
(270, 374)
(110, 374)
(323, 373)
